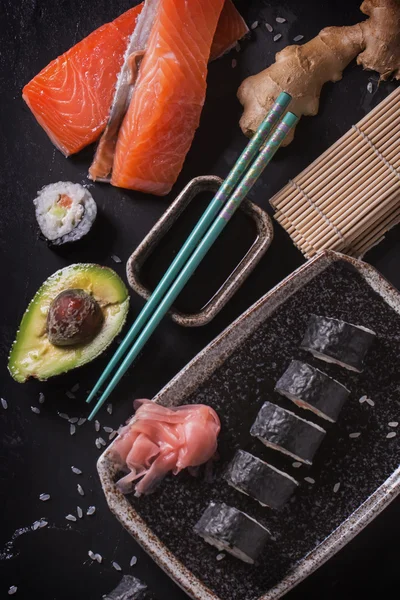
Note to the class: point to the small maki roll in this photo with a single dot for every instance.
(65, 212)
(230, 529)
(313, 390)
(336, 341)
(256, 478)
(284, 431)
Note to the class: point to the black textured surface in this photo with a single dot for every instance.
(259, 480)
(312, 389)
(36, 450)
(282, 429)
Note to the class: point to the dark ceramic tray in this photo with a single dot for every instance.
(235, 374)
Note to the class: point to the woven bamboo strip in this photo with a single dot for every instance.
(349, 197)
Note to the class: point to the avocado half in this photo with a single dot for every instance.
(32, 354)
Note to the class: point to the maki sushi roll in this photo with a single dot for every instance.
(230, 529)
(284, 431)
(313, 390)
(256, 478)
(338, 342)
(65, 212)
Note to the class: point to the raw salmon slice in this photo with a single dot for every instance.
(168, 98)
(72, 96)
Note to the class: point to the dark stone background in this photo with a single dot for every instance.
(36, 451)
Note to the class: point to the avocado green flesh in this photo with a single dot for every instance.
(32, 355)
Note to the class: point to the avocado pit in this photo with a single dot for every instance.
(74, 318)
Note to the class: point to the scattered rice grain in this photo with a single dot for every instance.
(391, 434)
(298, 38)
(280, 20)
(277, 37)
(269, 27)
(98, 445)
(81, 421)
(99, 558)
(296, 465)
(254, 25)
(220, 556)
(109, 408)
(63, 416)
(42, 523)
(92, 555)
(112, 435)
(4, 403)
(102, 441)
(108, 429)
(76, 470)
(91, 510)
(336, 487)
(309, 479)
(70, 395)
(12, 590)
(116, 566)
(369, 87)
(72, 429)
(44, 497)
(35, 410)
(362, 399)
(234, 63)
(73, 420)
(133, 561)
(75, 388)
(71, 518)
(370, 402)
(79, 512)
(393, 423)
(41, 398)
(80, 489)
(354, 435)
(97, 425)
(35, 525)
(116, 258)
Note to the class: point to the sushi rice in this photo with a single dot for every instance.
(65, 211)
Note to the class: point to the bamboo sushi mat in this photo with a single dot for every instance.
(349, 197)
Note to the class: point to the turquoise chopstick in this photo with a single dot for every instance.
(200, 229)
(254, 172)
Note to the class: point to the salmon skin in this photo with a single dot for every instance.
(168, 98)
(72, 96)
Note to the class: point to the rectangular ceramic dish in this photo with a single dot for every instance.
(352, 478)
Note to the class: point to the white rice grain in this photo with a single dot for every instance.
(370, 402)
(75, 388)
(90, 511)
(80, 489)
(71, 518)
(220, 556)
(354, 435)
(35, 410)
(72, 429)
(92, 555)
(280, 20)
(73, 420)
(254, 25)
(108, 429)
(4, 403)
(63, 416)
(97, 425)
(393, 423)
(99, 558)
(70, 395)
(336, 487)
(277, 37)
(133, 561)
(362, 399)
(79, 512)
(81, 421)
(116, 258)
(269, 27)
(109, 408)
(391, 434)
(44, 497)
(112, 435)
(42, 523)
(309, 480)
(298, 38)
(296, 465)
(41, 398)
(98, 445)
(76, 470)
(102, 441)
(12, 590)
(116, 566)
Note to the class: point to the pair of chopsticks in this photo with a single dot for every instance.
(218, 213)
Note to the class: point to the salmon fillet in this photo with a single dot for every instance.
(71, 97)
(168, 98)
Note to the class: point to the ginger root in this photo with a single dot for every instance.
(302, 70)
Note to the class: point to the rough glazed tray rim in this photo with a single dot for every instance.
(344, 533)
